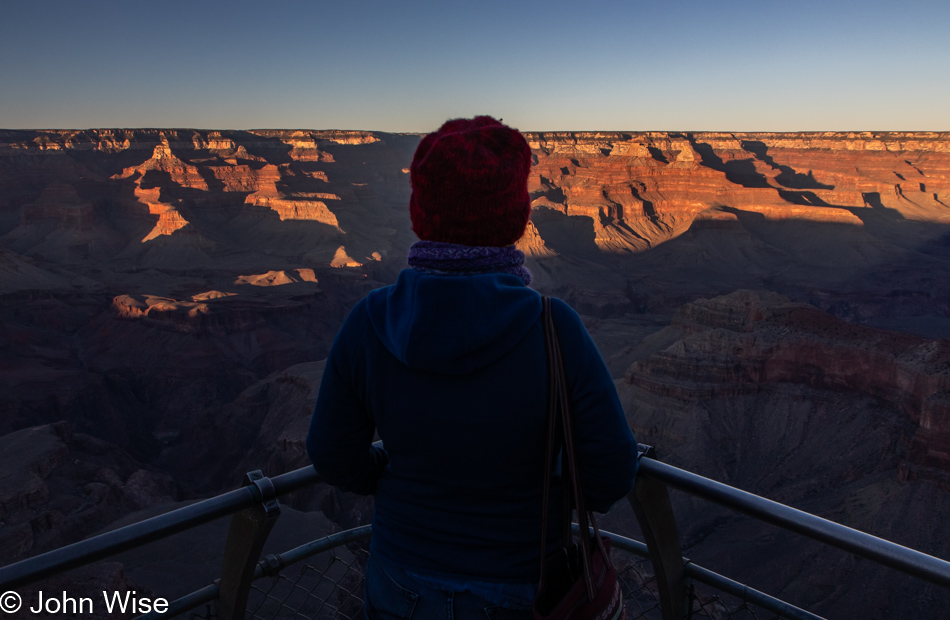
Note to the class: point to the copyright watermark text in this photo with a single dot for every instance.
(10, 602)
(62, 603)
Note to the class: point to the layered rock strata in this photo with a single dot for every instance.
(58, 486)
(746, 343)
(788, 402)
(153, 281)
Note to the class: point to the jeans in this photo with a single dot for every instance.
(394, 593)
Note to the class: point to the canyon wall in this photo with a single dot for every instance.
(760, 298)
(791, 403)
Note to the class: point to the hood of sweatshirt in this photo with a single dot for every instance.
(452, 324)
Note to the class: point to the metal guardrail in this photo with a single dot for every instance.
(255, 508)
(882, 551)
(333, 588)
(704, 575)
(271, 566)
(155, 528)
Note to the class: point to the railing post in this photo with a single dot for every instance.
(249, 529)
(651, 505)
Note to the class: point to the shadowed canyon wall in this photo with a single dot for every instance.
(774, 307)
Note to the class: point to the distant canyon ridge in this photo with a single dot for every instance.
(775, 309)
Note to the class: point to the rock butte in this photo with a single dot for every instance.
(774, 307)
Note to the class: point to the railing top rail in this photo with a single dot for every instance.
(884, 552)
(146, 531)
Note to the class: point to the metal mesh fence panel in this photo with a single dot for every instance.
(721, 606)
(329, 585)
(326, 586)
(641, 599)
(206, 612)
(707, 603)
(638, 584)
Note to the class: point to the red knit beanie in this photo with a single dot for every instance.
(470, 184)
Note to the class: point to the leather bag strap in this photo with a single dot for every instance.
(559, 406)
(549, 448)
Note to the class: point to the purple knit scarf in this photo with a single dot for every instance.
(452, 259)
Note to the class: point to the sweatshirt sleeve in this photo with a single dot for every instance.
(341, 430)
(606, 447)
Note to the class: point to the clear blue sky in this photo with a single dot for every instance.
(408, 65)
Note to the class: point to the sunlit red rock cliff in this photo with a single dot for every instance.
(775, 309)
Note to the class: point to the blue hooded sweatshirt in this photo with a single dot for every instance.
(451, 372)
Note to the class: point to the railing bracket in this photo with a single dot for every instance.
(271, 565)
(266, 493)
(650, 501)
(249, 530)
